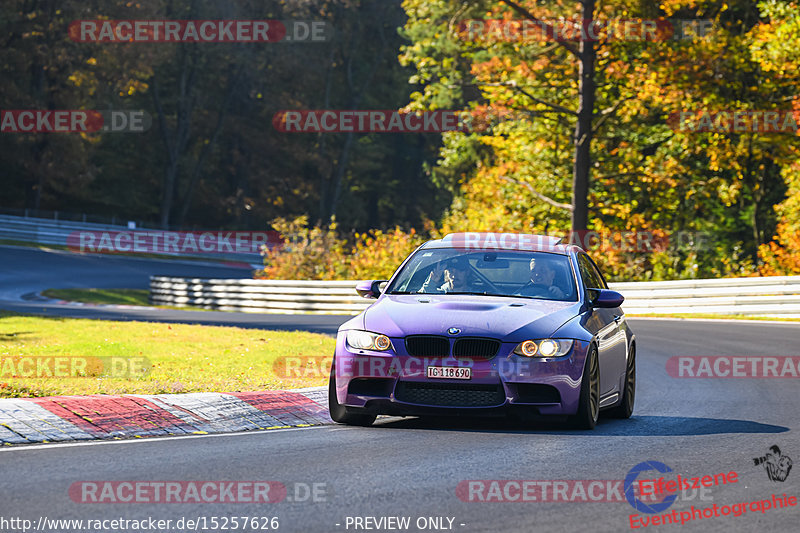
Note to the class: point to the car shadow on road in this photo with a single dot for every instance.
(636, 426)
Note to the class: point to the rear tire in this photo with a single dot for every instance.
(352, 416)
(625, 407)
(589, 403)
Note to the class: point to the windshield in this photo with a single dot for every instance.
(503, 273)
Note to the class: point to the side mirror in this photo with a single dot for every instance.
(605, 298)
(369, 289)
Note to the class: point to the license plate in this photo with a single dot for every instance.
(449, 372)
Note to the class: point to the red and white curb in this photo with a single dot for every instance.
(74, 418)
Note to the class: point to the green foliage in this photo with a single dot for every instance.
(217, 153)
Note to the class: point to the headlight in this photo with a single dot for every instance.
(544, 348)
(527, 348)
(364, 340)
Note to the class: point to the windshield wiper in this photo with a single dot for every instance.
(508, 296)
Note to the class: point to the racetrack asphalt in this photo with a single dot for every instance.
(412, 467)
(25, 272)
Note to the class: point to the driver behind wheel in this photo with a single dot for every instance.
(451, 275)
(435, 279)
(456, 276)
(541, 283)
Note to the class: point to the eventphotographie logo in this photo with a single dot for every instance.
(632, 496)
(775, 463)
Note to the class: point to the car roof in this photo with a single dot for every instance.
(503, 241)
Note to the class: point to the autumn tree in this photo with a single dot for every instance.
(647, 173)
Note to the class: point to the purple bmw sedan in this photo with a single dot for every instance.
(486, 324)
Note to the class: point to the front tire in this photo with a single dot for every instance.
(625, 407)
(342, 414)
(589, 403)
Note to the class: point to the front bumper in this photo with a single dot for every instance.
(396, 383)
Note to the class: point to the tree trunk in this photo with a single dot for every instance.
(175, 141)
(323, 215)
(338, 174)
(583, 129)
(199, 166)
(334, 185)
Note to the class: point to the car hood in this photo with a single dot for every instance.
(507, 319)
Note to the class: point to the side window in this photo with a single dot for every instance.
(591, 279)
(600, 279)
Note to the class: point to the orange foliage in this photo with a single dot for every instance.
(781, 258)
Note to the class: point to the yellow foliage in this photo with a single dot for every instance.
(320, 253)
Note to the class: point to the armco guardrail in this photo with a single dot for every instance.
(45, 230)
(55, 232)
(259, 296)
(769, 296)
